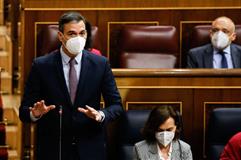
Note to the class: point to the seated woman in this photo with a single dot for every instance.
(161, 133)
(232, 150)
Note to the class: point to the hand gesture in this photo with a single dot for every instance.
(91, 113)
(40, 109)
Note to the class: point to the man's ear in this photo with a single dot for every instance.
(210, 33)
(60, 36)
(233, 36)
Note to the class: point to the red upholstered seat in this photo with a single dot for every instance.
(47, 39)
(143, 46)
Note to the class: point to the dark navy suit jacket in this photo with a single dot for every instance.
(202, 57)
(46, 82)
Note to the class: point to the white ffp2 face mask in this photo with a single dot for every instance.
(220, 40)
(75, 45)
(165, 137)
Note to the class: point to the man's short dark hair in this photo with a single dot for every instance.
(157, 117)
(69, 17)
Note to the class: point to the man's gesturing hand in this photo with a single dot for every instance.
(40, 109)
(91, 113)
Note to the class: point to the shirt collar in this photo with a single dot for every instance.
(169, 152)
(66, 58)
(227, 50)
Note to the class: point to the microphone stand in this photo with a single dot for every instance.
(60, 131)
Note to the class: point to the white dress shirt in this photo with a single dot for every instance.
(161, 155)
(217, 58)
(65, 62)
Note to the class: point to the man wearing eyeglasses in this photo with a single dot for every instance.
(221, 53)
(62, 96)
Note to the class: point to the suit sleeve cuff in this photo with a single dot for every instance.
(102, 116)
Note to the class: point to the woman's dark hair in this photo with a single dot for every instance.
(157, 117)
(89, 41)
(69, 17)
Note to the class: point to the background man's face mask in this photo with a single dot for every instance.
(220, 40)
(165, 137)
(75, 45)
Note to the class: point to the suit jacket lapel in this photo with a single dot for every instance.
(83, 75)
(175, 150)
(208, 57)
(60, 72)
(235, 56)
(153, 152)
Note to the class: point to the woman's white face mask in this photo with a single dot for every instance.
(165, 137)
(220, 40)
(75, 45)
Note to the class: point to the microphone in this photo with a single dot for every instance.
(60, 131)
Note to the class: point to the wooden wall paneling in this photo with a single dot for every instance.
(129, 4)
(27, 45)
(144, 105)
(200, 97)
(103, 19)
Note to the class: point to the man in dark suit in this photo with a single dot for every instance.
(221, 53)
(65, 87)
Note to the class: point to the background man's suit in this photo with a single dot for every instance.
(202, 57)
(46, 81)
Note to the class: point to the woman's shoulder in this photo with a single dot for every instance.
(181, 147)
(143, 149)
(144, 146)
(185, 146)
(141, 144)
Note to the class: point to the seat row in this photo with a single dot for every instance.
(139, 46)
(223, 123)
